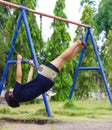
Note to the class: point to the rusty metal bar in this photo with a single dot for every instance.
(42, 14)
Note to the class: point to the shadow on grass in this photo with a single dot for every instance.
(41, 122)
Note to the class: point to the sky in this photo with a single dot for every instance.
(72, 12)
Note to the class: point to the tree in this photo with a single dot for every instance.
(87, 80)
(59, 41)
(103, 18)
(22, 41)
(3, 45)
(108, 57)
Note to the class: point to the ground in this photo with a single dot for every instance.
(56, 126)
(85, 115)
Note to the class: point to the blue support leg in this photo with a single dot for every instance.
(100, 65)
(10, 53)
(77, 70)
(34, 57)
(29, 38)
(100, 68)
(47, 105)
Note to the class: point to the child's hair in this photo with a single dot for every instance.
(11, 101)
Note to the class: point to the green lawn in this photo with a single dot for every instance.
(83, 110)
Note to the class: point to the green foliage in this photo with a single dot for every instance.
(103, 18)
(3, 37)
(92, 3)
(62, 86)
(3, 54)
(22, 45)
(3, 15)
(83, 110)
(69, 104)
(87, 80)
(58, 42)
(87, 15)
(108, 57)
(4, 110)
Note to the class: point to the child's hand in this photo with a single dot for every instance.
(31, 62)
(19, 57)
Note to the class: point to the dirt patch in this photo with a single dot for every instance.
(75, 125)
(25, 121)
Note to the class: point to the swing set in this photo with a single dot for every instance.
(22, 17)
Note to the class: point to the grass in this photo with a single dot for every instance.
(83, 110)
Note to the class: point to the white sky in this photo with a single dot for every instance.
(72, 12)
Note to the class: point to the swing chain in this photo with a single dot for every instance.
(21, 43)
(54, 36)
(40, 34)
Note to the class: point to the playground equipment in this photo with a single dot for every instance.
(22, 16)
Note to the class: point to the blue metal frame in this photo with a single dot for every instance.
(89, 33)
(9, 61)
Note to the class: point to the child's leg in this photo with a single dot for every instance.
(67, 55)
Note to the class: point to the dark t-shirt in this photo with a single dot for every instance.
(32, 89)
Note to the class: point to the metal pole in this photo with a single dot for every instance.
(34, 56)
(9, 4)
(101, 67)
(10, 53)
(43, 14)
(77, 69)
(29, 37)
